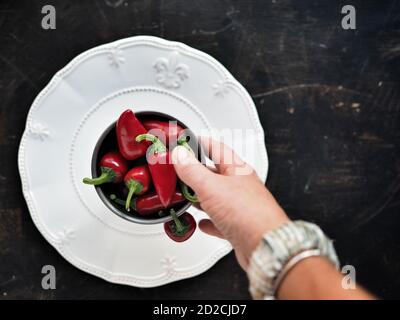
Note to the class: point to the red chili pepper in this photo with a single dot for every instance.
(149, 204)
(138, 181)
(182, 228)
(161, 168)
(128, 127)
(170, 129)
(113, 169)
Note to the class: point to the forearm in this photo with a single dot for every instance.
(266, 242)
(316, 278)
(298, 261)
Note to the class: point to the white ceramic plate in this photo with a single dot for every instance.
(64, 124)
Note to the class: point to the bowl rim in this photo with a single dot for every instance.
(109, 204)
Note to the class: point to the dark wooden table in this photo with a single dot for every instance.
(328, 100)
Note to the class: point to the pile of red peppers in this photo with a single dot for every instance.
(142, 173)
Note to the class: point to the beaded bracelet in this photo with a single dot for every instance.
(280, 250)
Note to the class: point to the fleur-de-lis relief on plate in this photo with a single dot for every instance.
(116, 57)
(170, 72)
(220, 88)
(66, 236)
(38, 131)
(168, 263)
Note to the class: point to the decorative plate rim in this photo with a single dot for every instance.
(56, 243)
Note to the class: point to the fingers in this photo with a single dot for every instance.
(191, 171)
(208, 227)
(226, 160)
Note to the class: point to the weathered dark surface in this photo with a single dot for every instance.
(328, 99)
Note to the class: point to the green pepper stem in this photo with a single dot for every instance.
(186, 193)
(187, 146)
(134, 187)
(185, 189)
(179, 227)
(157, 146)
(183, 142)
(114, 198)
(104, 178)
(147, 137)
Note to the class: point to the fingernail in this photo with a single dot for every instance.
(180, 155)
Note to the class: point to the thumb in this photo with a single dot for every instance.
(191, 171)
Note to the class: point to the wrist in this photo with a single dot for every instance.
(260, 229)
(294, 285)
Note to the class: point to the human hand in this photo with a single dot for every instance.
(240, 207)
